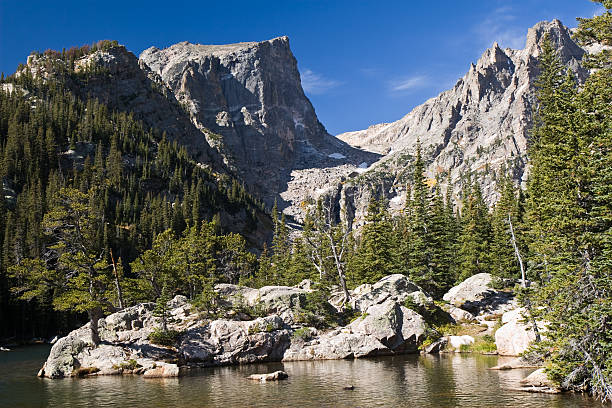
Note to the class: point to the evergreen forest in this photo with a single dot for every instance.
(100, 212)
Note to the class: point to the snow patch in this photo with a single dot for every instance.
(363, 165)
(337, 156)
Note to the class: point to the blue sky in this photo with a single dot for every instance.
(362, 62)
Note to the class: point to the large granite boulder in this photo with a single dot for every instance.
(284, 301)
(516, 334)
(393, 287)
(386, 328)
(224, 342)
(476, 295)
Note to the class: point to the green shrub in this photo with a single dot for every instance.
(465, 348)
(360, 316)
(318, 312)
(303, 334)
(130, 365)
(164, 338)
(256, 328)
(240, 305)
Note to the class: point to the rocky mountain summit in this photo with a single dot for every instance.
(117, 79)
(480, 125)
(250, 96)
(240, 108)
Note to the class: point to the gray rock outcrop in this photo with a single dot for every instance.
(477, 296)
(250, 95)
(385, 327)
(516, 334)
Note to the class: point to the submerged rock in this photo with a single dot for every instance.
(275, 376)
(538, 381)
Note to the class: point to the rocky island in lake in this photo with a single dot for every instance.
(185, 214)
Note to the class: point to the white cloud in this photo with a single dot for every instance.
(317, 84)
(407, 84)
(499, 26)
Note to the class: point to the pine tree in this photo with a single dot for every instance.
(568, 214)
(374, 257)
(503, 257)
(474, 255)
(440, 246)
(81, 277)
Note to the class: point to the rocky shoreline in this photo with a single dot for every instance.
(392, 316)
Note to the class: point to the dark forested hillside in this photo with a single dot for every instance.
(134, 175)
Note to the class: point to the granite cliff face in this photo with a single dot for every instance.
(480, 125)
(240, 109)
(250, 96)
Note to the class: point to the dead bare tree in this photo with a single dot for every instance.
(523, 281)
(328, 243)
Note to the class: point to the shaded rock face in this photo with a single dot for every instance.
(116, 78)
(250, 94)
(479, 125)
(476, 295)
(385, 327)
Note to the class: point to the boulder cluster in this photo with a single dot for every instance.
(388, 317)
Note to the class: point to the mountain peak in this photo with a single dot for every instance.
(479, 126)
(559, 35)
(250, 94)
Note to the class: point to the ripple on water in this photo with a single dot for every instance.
(410, 381)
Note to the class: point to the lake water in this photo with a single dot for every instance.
(405, 381)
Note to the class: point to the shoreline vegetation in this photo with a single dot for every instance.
(107, 221)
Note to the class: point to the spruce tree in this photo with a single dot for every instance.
(568, 214)
(474, 255)
(374, 257)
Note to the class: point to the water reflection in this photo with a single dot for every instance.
(415, 381)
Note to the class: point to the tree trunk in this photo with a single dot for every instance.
(524, 284)
(518, 254)
(118, 286)
(94, 316)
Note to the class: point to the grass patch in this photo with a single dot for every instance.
(303, 333)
